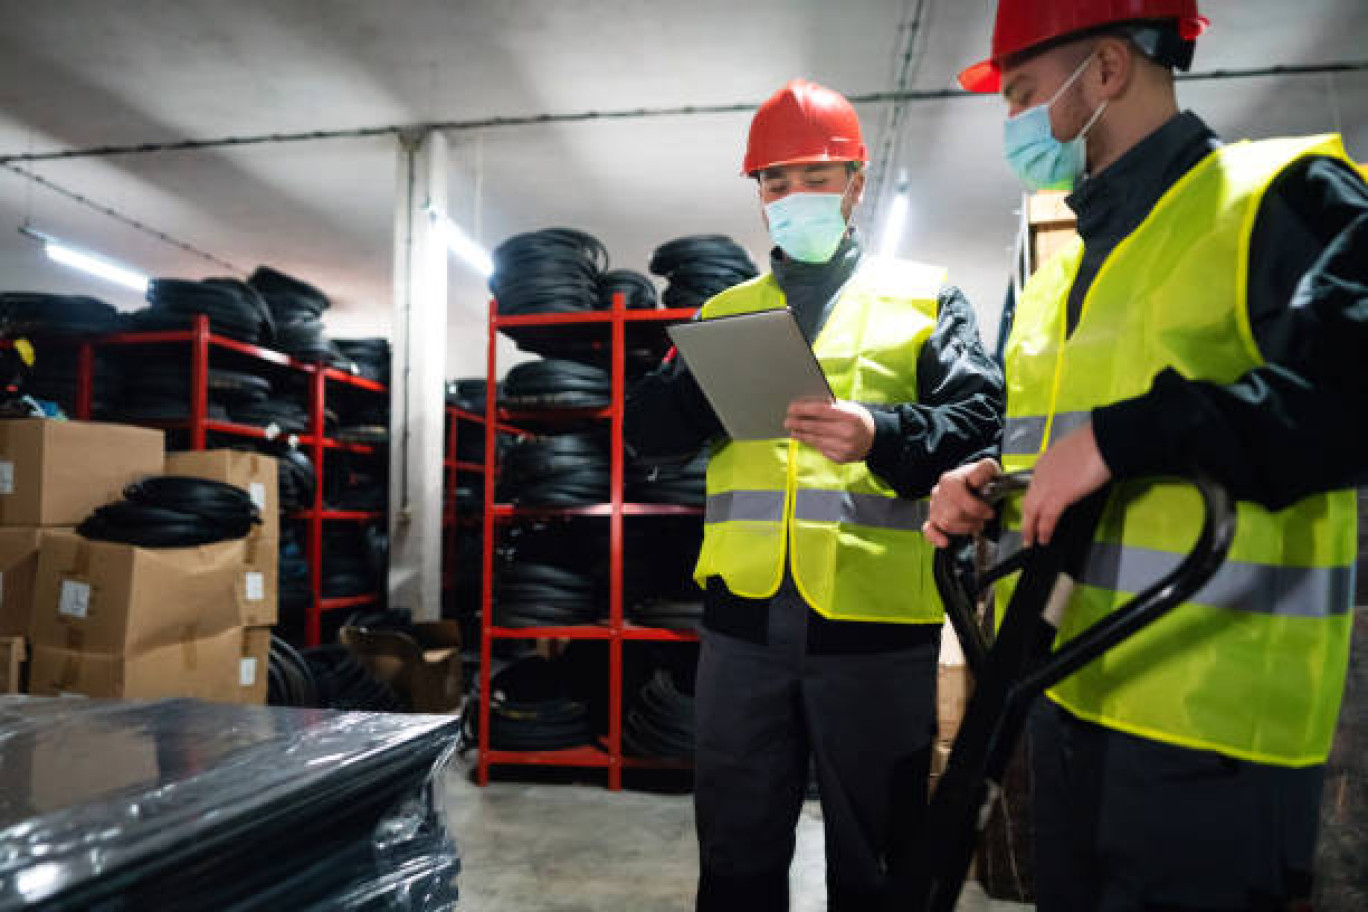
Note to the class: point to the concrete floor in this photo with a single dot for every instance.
(582, 848)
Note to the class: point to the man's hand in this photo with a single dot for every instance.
(1070, 470)
(840, 431)
(956, 508)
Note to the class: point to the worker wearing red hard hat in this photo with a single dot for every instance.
(1212, 317)
(821, 627)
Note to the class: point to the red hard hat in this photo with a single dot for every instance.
(1024, 24)
(803, 123)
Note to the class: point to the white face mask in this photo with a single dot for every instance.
(808, 227)
(1039, 160)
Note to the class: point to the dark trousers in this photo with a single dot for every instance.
(866, 722)
(1123, 823)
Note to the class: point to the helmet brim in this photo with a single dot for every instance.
(983, 77)
(820, 158)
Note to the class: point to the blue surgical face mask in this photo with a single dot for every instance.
(808, 226)
(1041, 161)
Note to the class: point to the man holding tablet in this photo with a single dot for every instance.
(821, 622)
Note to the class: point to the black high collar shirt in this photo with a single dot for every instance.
(1114, 203)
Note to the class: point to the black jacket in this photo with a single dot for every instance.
(957, 418)
(1294, 426)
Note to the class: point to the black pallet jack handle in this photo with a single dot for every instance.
(1020, 665)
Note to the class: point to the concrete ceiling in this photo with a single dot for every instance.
(80, 73)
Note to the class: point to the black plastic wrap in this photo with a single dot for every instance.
(186, 805)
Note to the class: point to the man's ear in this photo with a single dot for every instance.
(1116, 64)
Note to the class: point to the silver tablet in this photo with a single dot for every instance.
(751, 367)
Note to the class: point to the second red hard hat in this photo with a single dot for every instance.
(1024, 24)
(803, 123)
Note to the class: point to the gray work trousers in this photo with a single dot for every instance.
(763, 711)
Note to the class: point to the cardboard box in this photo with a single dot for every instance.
(55, 473)
(206, 668)
(253, 666)
(260, 588)
(11, 664)
(105, 597)
(19, 547)
(423, 666)
(953, 686)
(257, 474)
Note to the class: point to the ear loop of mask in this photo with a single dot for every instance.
(1083, 133)
(850, 222)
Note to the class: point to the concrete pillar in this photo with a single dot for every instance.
(418, 397)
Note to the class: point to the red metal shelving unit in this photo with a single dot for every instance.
(616, 630)
(202, 341)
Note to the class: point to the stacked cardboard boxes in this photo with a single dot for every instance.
(256, 474)
(119, 621)
(53, 474)
(115, 620)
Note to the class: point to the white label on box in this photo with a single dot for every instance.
(247, 672)
(272, 431)
(6, 478)
(256, 586)
(75, 600)
(257, 491)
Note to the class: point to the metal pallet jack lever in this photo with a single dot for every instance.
(1021, 663)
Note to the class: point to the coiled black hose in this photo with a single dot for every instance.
(170, 511)
(237, 388)
(531, 594)
(35, 313)
(555, 270)
(286, 293)
(639, 290)
(564, 470)
(289, 417)
(346, 684)
(531, 708)
(660, 722)
(556, 383)
(297, 309)
(699, 267)
(176, 302)
(685, 484)
(290, 681)
(467, 393)
(369, 358)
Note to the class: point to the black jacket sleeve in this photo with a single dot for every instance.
(1295, 425)
(958, 415)
(668, 419)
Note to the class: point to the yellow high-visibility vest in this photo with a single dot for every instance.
(855, 547)
(1254, 665)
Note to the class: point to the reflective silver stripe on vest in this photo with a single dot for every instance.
(1065, 422)
(745, 506)
(1024, 435)
(1312, 592)
(860, 509)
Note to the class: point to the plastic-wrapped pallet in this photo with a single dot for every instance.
(188, 805)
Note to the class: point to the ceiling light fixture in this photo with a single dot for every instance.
(463, 245)
(895, 226)
(89, 263)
